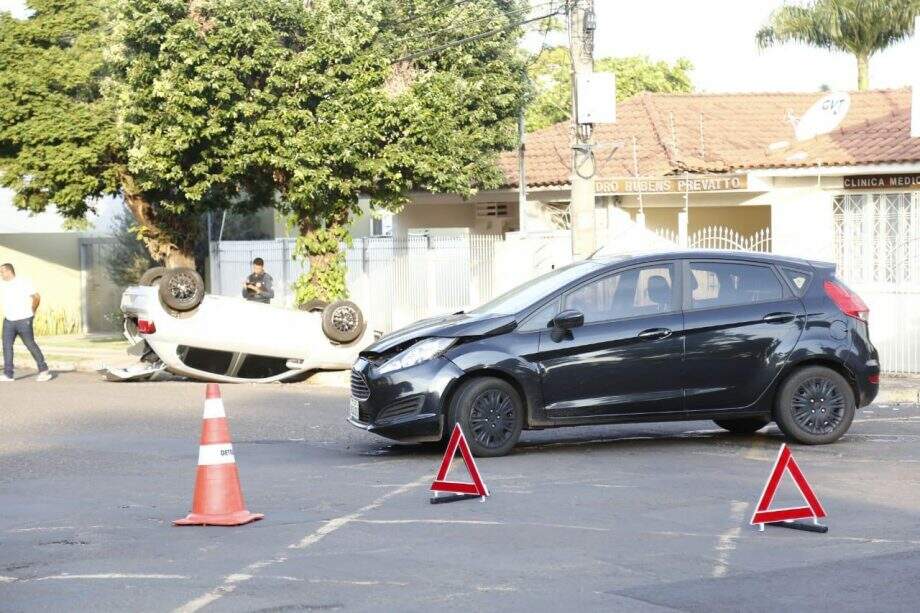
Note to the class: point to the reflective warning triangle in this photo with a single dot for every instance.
(477, 487)
(765, 515)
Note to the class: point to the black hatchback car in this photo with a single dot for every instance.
(739, 338)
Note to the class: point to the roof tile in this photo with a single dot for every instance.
(712, 133)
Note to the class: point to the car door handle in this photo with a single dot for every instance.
(653, 334)
(778, 318)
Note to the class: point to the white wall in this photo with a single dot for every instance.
(13, 220)
(802, 221)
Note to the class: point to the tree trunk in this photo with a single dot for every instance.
(862, 72)
(155, 235)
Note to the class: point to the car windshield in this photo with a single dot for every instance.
(524, 295)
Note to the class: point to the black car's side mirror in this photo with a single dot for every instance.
(568, 319)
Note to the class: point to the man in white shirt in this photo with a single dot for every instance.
(19, 300)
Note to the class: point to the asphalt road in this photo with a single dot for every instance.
(634, 518)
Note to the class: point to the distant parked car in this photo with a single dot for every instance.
(218, 338)
(740, 338)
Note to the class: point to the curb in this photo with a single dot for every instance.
(898, 396)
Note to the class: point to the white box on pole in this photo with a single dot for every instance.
(597, 97)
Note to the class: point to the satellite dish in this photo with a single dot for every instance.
(823, 116)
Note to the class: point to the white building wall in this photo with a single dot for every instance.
(802, 220)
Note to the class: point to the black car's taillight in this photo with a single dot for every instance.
(846, 300)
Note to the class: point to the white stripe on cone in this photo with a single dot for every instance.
(221, 453)
(214, 407)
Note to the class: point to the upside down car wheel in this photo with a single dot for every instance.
(181, 289)
(343, 321)
(313, 305)
(152, 276)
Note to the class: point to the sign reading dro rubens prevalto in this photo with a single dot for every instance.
(671, 185)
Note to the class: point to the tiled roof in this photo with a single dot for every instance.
(711, 133)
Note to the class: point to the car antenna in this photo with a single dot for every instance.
(594, 253)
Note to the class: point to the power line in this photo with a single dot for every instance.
(468, 39)
(418, 16)
(479, 20)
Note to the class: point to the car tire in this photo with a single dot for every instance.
(815, 406)
(181, 289)
(313, 305)
(490, 413)
(343, 321)
(744, 425)
(152, 277)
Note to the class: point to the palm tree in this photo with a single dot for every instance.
(858, 27)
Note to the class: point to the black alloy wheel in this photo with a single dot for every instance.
(818, 406)
(491, 414)
(815, 405)
(492, 418)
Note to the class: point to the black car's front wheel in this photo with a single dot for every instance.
(744, 425)
(815, 406)
(491, 414)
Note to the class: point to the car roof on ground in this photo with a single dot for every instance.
(721, 254)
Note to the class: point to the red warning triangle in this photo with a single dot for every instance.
(477, 487)
(765, 515)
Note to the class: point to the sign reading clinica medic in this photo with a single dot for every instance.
(904, 181)
(671, 185)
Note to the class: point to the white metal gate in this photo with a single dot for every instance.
(402, 280)
(721, 237)
(877, 250)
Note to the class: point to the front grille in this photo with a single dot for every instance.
(364, 414)
(359, 387)
(400, 408)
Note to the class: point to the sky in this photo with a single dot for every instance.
(718, 37)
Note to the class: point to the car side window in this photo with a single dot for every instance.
(630, 293)
(798, 279)
(719, 284)
(541, 319)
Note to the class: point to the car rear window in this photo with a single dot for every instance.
(798, 279)
(720, 284)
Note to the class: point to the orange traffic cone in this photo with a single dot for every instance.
(218, 497)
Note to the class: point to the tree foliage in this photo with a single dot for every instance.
(185, 106)
(858, 27)
(552, 82)
(59, 144)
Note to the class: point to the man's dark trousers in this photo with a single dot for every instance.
(23, 329)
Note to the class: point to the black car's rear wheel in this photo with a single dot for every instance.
(491, 414)
(745, 425)
(815, 406)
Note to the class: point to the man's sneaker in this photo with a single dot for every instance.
(5, 379)
(44, 375)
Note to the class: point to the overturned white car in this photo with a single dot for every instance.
(173, 325)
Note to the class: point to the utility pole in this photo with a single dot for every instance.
(580, 19)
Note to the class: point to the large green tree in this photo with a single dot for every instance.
(186, 106)
(858, 27)
(550, 76)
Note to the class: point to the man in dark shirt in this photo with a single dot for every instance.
(258, 286)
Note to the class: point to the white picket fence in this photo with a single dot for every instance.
(720, 237)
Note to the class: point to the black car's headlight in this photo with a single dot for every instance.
(416, 354)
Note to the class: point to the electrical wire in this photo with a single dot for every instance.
(475, 21)
(418, 16)
(475, 37)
